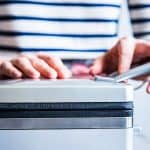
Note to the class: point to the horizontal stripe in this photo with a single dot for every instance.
(6, 18)
(67, 4)
(138, 2)
(69, 55)
(145, 27)
(7, 55)
(139, 6)
(141, 13)
(138, 34)
(57, 42)
(55, 27)
(73, 1)
(142, 20)
(5, 33)
(49, 49)
(144, 37)
(79, 1)
(60, 12)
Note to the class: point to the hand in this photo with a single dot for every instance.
(34, 67)
(126, 53)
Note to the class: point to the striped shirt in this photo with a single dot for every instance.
(67, 28)
(140, 17)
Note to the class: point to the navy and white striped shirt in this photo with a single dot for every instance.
(68, 28)
(140, 17)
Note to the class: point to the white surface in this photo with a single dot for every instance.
(69, 90)
(100, 139)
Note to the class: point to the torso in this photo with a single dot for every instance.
(70, 29)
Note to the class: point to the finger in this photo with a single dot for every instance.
(43, 68)
(148, 88)
(126, 49)
(143, 78)
(98, 66)
(56, 64)
(79, 69)
(106, 63)
(7, 69)
(25, 66)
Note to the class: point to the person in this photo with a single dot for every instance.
(68, 29)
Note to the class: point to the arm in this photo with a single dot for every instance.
(140, 18)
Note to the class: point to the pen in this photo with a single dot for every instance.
(132, 73)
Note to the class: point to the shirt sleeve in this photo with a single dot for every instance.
(140, 18)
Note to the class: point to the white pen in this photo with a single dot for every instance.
(132, 73)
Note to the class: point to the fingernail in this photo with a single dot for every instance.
(52, 75)
(35, 75)
(66, 73)
(17, 74)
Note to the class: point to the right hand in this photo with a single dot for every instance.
(126, 53)
(34, 67)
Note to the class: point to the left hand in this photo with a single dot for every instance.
(36, 66)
